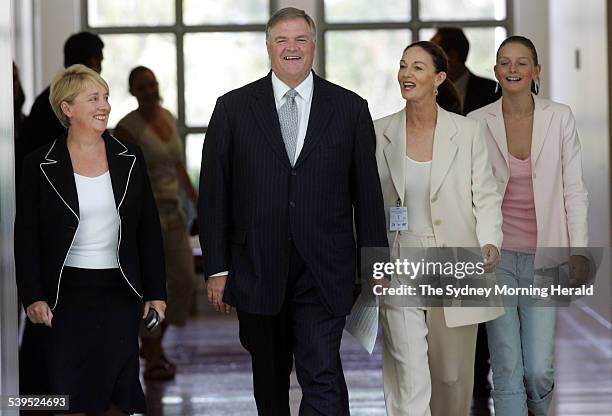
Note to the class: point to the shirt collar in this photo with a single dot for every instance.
(304, 90)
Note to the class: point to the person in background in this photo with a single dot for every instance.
(474, 91)
(88, 251)
(153, 129)
(41, 125)
(435, 164)
(536, 156)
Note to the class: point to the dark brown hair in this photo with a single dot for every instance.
(135, 72)
(81, 47)
(453, 39)
(447, 97)
(521, 40)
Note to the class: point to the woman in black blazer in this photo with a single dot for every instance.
(88, 250)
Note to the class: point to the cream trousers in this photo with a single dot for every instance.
(428, 368)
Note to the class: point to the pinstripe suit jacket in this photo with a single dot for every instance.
(253, 202)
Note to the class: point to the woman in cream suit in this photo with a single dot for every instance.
(536, 158)
(434, 163)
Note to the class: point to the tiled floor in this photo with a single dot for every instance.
(214, 372)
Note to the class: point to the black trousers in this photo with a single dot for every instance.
(482, 388)
(304, 330)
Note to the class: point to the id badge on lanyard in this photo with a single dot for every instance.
(398, 217)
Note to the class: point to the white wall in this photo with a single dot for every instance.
(309, 6)
(531, 21)
(23, 50)
(582, 26)
(8, 290)
(54, 22)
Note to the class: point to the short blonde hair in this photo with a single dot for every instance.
(68, 83)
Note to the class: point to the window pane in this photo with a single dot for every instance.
(198, 12)
(366, 61)
(462, 9)
(124, 52)
(130, 12)
(193, 156)
(484, 42)
(216, 63)
(364, 11)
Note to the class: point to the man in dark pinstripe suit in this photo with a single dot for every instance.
(288, 162)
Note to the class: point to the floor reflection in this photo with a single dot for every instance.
(214, 371)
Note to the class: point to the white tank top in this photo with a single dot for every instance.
(97, 238)
(418, 175)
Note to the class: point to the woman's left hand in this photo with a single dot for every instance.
(158, 305)
(490, 256)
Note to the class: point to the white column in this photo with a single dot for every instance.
(54, 22)
(8, 292)
(531, 21)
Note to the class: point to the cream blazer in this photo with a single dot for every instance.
(560, 197)
(465, 203)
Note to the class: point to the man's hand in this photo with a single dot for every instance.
(215, 288)
(158, 305)
(579, 267)
(40, 313)
(490, 255)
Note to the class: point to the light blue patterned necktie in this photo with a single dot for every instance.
(288, 118)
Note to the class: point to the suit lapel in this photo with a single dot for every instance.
(541, 122)
(57, 168)
(444, 149)
(120, 165)
(320, 113)
(264, 109)
(495, 123)
(395, 151)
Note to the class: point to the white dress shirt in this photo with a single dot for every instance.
(303, 100)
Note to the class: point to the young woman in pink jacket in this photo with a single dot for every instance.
(536, 158)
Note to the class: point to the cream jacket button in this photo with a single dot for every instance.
(434, 199)
(437, 222)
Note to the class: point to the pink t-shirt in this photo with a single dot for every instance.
(519, 226)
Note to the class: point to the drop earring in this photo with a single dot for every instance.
(536, 87)
(496, 87)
